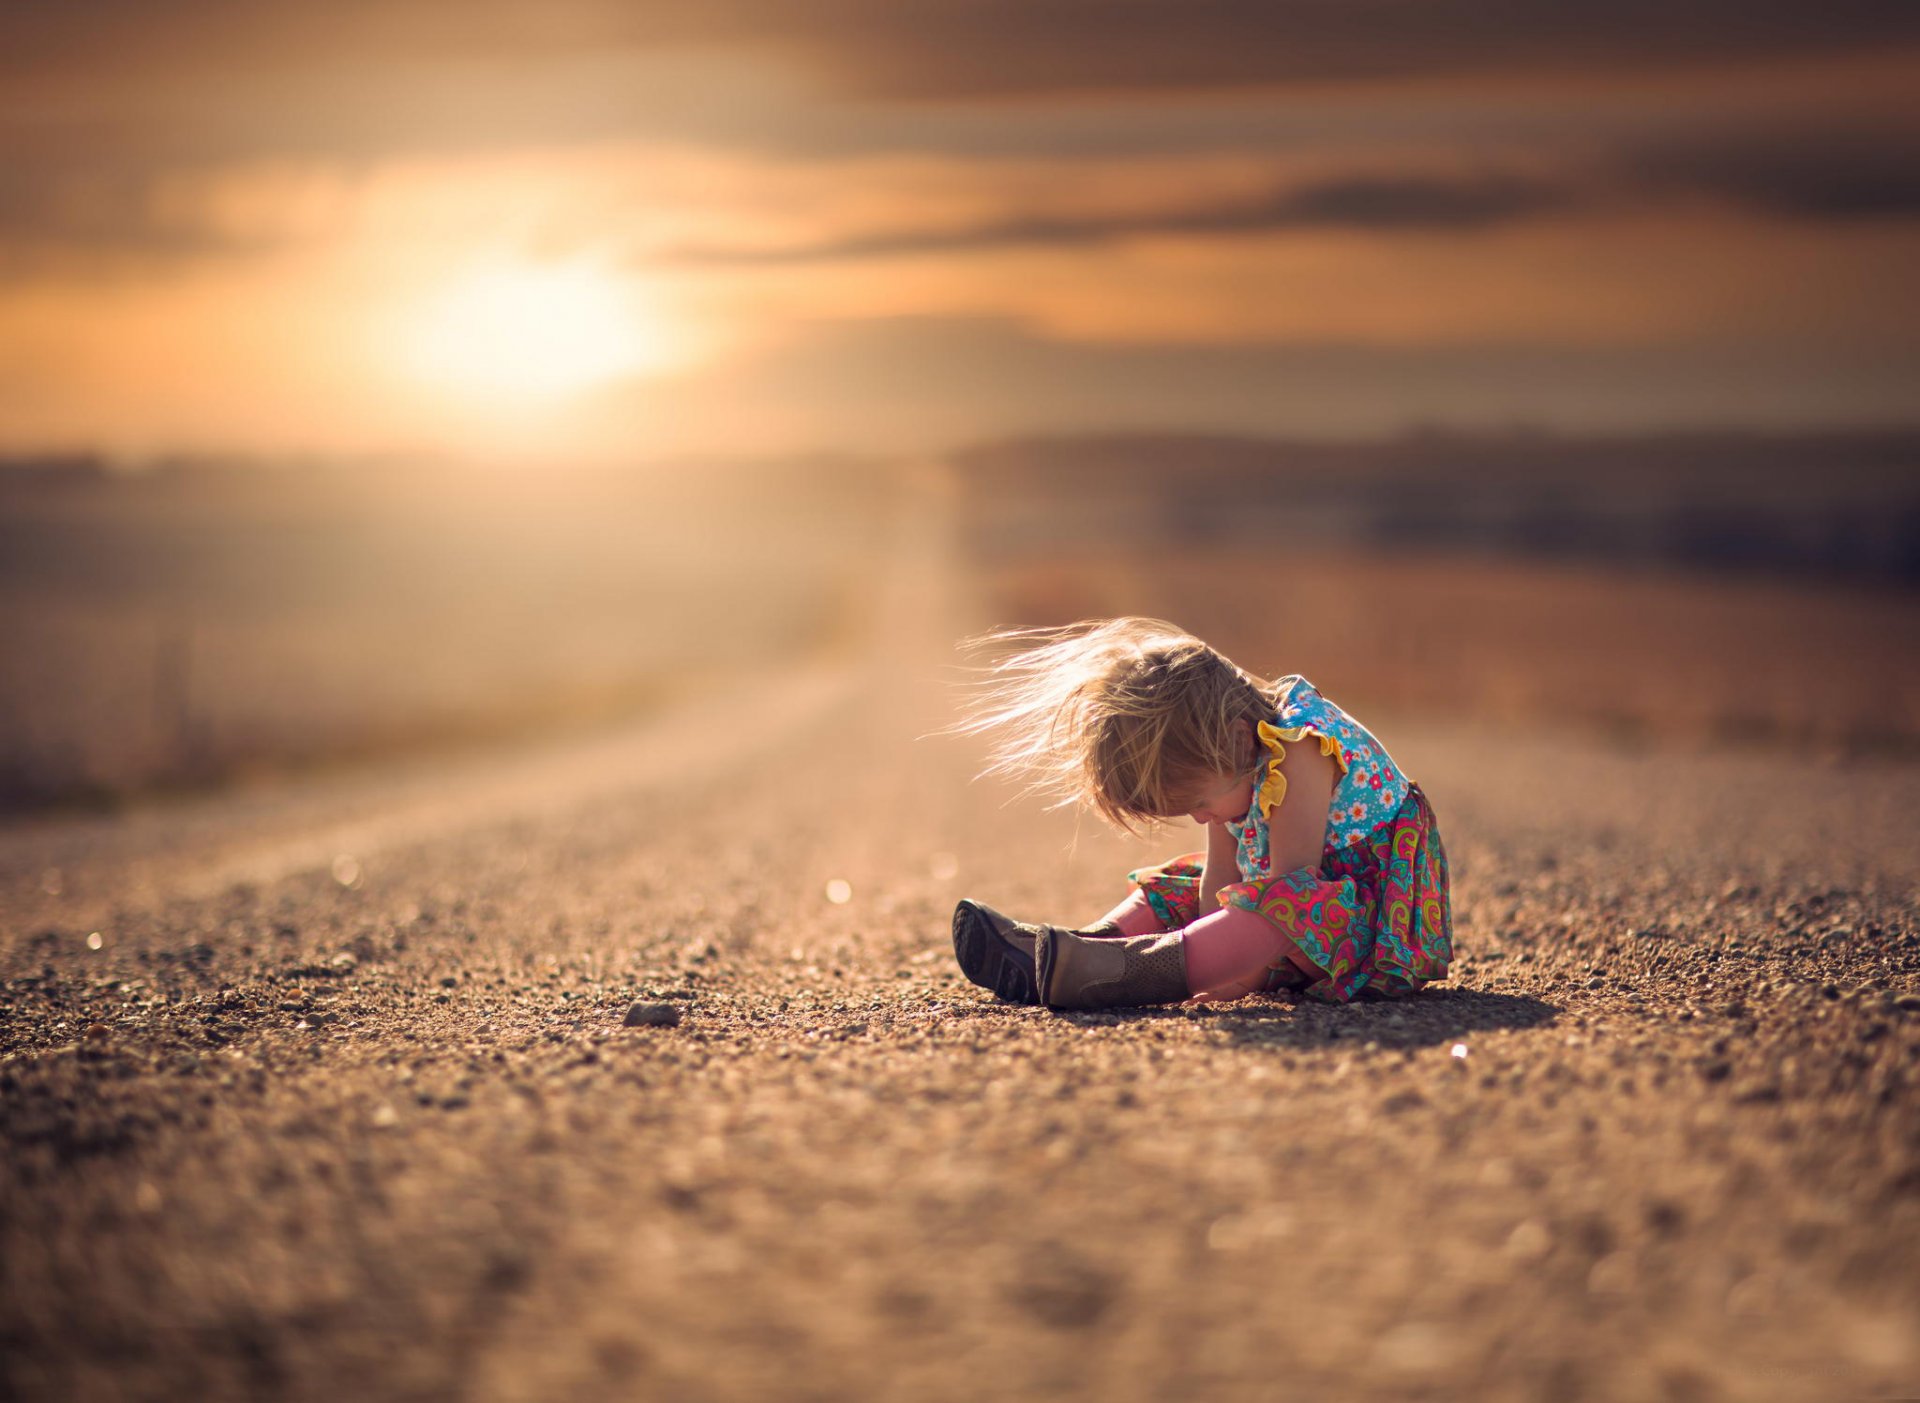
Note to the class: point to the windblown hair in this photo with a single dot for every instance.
(1122, 715)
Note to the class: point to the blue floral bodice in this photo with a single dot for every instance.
(1370, 790)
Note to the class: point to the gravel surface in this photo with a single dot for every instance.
(640, 1067)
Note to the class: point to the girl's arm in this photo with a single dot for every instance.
(1297, 829)
(1222, 866)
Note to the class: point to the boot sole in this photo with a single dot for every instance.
(990, 961)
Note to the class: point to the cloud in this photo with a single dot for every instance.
(1359, 202)
(944, 49)
(1384, 118)
(123, 218)
(1018, 49)
(184, 81)
(1826, 173)
(1833, 174)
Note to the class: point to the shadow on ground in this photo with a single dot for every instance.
(1432, 1017)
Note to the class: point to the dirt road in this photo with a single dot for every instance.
(342, 1104)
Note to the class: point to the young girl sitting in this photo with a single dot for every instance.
(1323, 872)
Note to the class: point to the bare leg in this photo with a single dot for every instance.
(1133, 916)
(1229, 952)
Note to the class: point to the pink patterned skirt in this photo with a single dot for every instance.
(1374, 917)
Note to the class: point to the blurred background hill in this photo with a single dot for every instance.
(1832, 507)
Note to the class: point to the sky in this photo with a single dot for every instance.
(578, 228)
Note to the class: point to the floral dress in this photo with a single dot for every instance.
(1375, 915)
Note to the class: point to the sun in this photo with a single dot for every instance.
(523, 333)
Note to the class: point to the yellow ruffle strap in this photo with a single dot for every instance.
(1273, 788)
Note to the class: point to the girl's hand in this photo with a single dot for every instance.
(1231, 992)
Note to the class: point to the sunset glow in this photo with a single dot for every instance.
(761, 228)
(529, 333)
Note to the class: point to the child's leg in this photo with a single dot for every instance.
(1220, 956)
(1229, 952)
(1133, 916)
(1164, 897)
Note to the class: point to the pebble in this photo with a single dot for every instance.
(1529, 1241)
(646, 1015)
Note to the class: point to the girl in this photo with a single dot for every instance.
(1323, 871)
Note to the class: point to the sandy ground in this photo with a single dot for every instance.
(343, 1104)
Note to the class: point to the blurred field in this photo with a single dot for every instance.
(197, 624)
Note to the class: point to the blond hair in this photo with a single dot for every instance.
(1118, 714)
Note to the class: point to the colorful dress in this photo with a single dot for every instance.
(1375, 915)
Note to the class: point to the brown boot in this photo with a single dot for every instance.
(1072, 971)
(996, 952)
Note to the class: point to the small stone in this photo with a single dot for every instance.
(96, 1032)
(646, 1015)
(1530, 1241)
(1612, 1275)
(1907, 1003)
